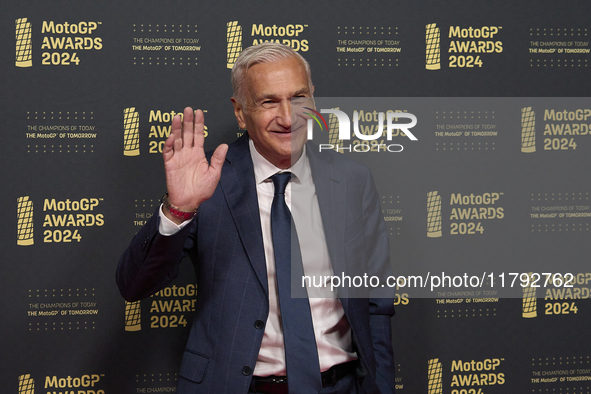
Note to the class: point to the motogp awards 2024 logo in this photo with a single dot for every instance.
(61, 43)
(469, 46)
(288, 35)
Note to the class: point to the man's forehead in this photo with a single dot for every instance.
(261, 78)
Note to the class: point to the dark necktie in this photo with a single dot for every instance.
(301, 354)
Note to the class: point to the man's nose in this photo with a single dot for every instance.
(284, 115)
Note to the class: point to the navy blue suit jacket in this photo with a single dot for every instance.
(225, 244)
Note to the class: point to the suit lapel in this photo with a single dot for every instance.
(239, 188)
(331, 190)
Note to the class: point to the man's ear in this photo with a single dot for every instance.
(239, 113)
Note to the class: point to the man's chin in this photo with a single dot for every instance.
(296, 151)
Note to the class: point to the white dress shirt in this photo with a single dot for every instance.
(331, 328)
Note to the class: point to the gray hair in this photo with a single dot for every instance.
(266, 52)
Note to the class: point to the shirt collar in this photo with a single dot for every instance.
(263, 169)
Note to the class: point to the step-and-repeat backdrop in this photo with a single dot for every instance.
(488, 211)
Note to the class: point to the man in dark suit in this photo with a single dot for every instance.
(219, 212)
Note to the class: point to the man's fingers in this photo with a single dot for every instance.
(174, 140)
(199, 129)
(199, 117)
(168, 151)
(188, 127)
(186, 132)
(218, 157)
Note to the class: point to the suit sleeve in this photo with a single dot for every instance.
(381, 300)
(152, 260)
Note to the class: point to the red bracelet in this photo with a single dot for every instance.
(175, 211)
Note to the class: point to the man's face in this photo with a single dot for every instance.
(267, 116)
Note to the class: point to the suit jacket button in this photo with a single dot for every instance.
(259, 324)
(246, 370)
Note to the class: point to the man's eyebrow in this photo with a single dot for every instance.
(266, 96)
(274, 96)
(305, 90)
